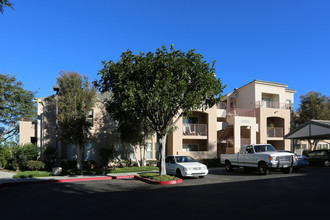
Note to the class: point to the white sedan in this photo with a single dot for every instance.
(185, 166)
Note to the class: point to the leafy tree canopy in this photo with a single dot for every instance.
(76, 99)
(16, 104)
(313, 105)
(5, 3)
(160, 87)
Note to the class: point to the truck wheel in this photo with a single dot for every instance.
(263, 169)
(288, 170)
(228, 166)
(327, 163)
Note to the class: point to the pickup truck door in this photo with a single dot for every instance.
(246, 157)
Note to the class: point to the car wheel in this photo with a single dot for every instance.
(288, 170)
(327, 163)
(263, 169)
(228, 166)
(178, 173)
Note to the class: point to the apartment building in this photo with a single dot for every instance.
(258, 112)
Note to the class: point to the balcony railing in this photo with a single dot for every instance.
(194, 129)
(222, 105)
(275, 132)
(271, 104)
(245, 141)
(241, 112)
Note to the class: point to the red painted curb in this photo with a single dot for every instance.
(123, 177)
(54, 181)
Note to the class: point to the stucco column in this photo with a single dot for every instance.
(237, 136)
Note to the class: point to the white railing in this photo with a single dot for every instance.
(194, 129)
(275, 132)
(241, 112)
(271, 104)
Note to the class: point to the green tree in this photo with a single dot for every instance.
(16, 104)
(5, 3)
(134, 131)
(315, 106)
(76, 99)
(160, 87)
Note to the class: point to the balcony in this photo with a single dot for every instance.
(241, 112)
(271, 104)
(194, 129)
(275, 132)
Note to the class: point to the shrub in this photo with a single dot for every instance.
(4, 156)
(24, 154)
(106, 155)
(69, 164)
(49, 157)
(88, 164)
(72, 164)
(152, 163)
(35, 165)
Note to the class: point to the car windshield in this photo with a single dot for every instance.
(264, 148)
(184, 159)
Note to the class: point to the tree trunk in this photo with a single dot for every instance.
(162, 147)
(313, 144)
(144, 162)
(79, 163)
(136, 159)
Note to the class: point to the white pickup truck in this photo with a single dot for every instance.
(261, 156)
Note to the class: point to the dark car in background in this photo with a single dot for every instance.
(320, 157)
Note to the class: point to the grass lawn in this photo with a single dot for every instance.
(30, 174)
(73, 172)
(156, 177)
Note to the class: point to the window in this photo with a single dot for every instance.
(190, 120)
(69, 151)
(89, 152)
(266, 102)
(169, 159)
(249, 150)
(190, 147)
(156, 151)
(149, 151)
(90, 117)
(288, 104)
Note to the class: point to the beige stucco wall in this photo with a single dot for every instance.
(263, 114)
(245, 97)
(175, 140)
(27, 130)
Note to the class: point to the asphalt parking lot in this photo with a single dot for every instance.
(302, 194)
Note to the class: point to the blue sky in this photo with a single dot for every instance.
(284, 41)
